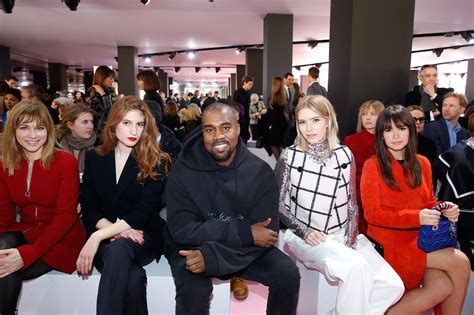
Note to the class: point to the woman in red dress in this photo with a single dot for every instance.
(43, 183)
(397, 194)
(362, 146)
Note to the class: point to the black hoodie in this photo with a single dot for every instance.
(211, 207)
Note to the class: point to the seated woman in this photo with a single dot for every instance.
(43, 183)
(122, 186)
(318, 204)
(397, 195)
(76, 133)
(362, 145)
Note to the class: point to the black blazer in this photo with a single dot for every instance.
(138, 204)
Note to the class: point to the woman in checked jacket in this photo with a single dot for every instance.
(318, 204)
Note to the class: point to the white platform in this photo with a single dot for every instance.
(60, 294)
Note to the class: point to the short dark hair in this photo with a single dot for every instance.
(313, 72)
(9, 77)
(247, 78)
(222, 107)
(150, 80)
(423, 67)
(288, 74)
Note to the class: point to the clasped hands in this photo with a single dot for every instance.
(10, 261)
(432, 217)
(85, 260)
(262, 236)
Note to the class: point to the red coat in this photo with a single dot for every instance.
(362, 145)
(393, 217)
(49, 218)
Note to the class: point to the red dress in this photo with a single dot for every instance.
(362, 145)
(49, 218)
(393, 217)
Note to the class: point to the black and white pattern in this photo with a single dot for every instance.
(316, 195)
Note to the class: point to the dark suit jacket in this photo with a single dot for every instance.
(316, 89)
(138, 204)
(414, 97)
(437, 131)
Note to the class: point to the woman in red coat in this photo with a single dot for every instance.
(397, 195)
(43, 183)
(362, 145)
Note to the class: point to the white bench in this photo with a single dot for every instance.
(56, 293)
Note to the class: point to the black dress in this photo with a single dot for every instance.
(279, 125)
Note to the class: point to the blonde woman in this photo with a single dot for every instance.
(362, 145)
(317, 202)
(44, 183)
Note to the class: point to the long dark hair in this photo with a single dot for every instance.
(400, 116)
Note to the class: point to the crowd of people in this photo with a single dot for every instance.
(84, 180)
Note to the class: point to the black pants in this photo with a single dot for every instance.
(273, 269)
(10, 286)
(122, 286)
(466, 234)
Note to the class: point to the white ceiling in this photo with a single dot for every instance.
(41, 31)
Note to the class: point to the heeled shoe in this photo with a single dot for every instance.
(239, 288)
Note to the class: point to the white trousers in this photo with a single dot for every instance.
(367, 284)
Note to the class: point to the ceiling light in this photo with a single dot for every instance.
(191, 54)
(467, 36)
(197, 69)
(238, 50)
(145, 2)
(147, 59)
(438, 51)
(176, 69)
(171, 56)
(312, 44)
(218, 69)
(298, 68)
(72, 4)
(7, 5)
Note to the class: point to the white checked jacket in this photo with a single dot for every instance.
(318, 196)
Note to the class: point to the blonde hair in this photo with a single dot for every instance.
(321, 105)
(25, 112)
(377, 106)
(192, 113)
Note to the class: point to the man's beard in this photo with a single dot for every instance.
(221, 156)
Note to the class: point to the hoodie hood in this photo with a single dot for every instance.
(195, 156)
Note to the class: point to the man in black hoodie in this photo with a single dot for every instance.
(222, 206)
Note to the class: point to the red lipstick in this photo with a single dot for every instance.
(132, 138)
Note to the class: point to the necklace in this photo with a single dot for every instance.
(319, 152)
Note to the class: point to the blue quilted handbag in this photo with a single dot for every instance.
(431, 238)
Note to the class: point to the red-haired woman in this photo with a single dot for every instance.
(122, 184)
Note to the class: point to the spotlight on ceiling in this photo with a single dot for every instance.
(298, 68)
(171, 56)
(467, 36)
(176, 69)
(145, 2)
(7, 6)
(72, 4)
(318, 65)
(312, 44)
(147, 59)
(438, 51)
(197, 69)
(191, 54)
(218, 69)
(238, 50)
